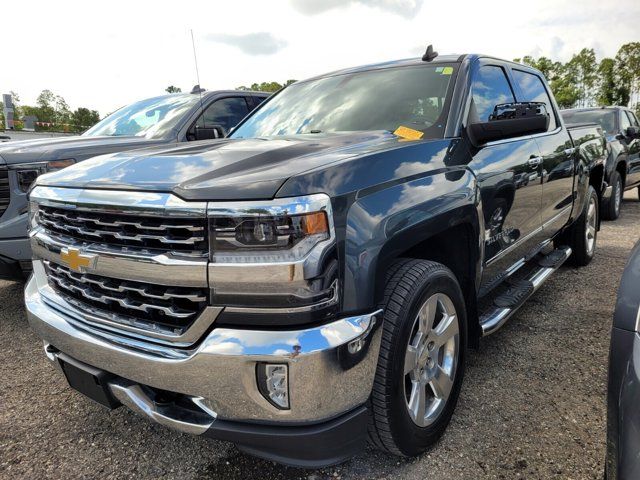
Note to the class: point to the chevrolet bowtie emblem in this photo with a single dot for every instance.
(76, 260)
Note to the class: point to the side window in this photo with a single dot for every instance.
(533, 90)
(490, 88)
(226, 112)
(258, 100)
(624, 122)
(632, 118)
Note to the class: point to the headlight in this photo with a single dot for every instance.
(273, 258)
(283, 230)
(27, 174)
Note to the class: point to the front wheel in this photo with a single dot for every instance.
(422, 357)
(583, 234)
(611, 208)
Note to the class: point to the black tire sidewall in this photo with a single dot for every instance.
(610, 208)
(410, 438)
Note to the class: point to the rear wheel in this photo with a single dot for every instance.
(583, 234)
(611, 208)
(422, 357)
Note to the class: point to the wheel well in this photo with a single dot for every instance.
(596, 178)
(457, 249)
(622, 170)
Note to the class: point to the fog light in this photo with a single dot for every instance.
(273, 383)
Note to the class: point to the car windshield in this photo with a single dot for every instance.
(605, 118)
(151, 118)
(415, 97)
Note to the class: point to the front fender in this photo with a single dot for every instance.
(384, 224)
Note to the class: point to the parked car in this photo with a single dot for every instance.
(168, 119)
(622, 171)
(623, 417)
(315, 278)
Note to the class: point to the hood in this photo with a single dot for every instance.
(62, 148)
(229, 169)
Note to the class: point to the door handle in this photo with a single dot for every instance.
(534, 162)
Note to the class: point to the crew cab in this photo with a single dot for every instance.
(168, 119)
(622, 168)
(314, 279)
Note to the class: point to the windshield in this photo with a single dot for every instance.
(413, 97)
(605, 118)
(151, 118)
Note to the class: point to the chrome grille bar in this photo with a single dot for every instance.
(174, 305)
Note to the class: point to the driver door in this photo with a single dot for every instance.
(509, 176)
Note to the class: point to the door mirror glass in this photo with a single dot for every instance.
(209, 133)
(510, 120)
(632, 132)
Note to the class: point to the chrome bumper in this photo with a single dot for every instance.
(331, 367)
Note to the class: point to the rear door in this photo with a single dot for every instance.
(558, 161)
(509, 176)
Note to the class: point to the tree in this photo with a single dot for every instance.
(172, 89)
(583, 67)
(266, 86)
(83, 118)
(560, 78)
(611, 91)
(628, 68)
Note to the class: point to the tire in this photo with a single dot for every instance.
(611, 208)
(412, 285)
(578, 237)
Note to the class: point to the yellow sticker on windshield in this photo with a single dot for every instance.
(408, 133)
(447, 70)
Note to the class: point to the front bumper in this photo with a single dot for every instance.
(15, 258)
(331, 370)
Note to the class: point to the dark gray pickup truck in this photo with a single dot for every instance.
(168, 119)
(315, 279)
(622, 168)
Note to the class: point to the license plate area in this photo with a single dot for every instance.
(88, 380)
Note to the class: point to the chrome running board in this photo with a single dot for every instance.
(509, 303)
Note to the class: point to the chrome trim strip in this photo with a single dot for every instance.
(638, 321)
(558, 215)
(180, 419)
(333, 300)
(116, 201)
(127, 263)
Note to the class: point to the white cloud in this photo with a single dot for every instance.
(106, 54)
(261, 43)
(404, 8)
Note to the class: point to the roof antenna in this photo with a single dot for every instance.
(196, 88)
(429, 54)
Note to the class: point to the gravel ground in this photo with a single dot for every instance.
(532, 405)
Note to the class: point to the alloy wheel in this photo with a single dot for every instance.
(431, 359)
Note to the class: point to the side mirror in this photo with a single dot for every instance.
(209, 133)
(510, 120)
(632, 132)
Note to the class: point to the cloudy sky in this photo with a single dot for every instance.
(103, 55)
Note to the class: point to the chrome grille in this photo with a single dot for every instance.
(150, 232)
(5, 195)
(173, 308)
